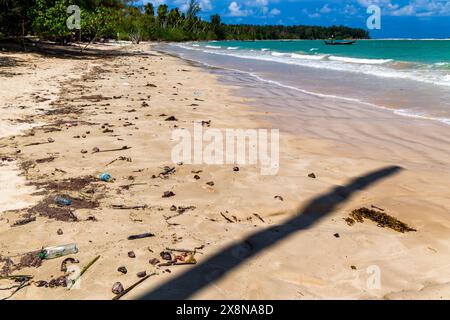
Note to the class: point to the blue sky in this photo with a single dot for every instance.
(399, 18)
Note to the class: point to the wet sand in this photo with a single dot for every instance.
(294, 246)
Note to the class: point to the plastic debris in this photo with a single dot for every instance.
(106, 177)
(63, 201)
(58, 251)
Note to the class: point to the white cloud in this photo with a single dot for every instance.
(235, 10)
(275, 12)
(325, 9)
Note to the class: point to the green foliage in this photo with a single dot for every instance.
(50, 21)
(99, 23)
(162, 14)
(126, 19)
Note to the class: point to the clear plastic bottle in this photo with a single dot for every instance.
(58, 251)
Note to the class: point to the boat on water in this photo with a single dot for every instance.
(339, 43)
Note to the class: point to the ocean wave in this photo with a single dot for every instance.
(308, 56)
(359, 60)
(384, 68)
(280, 54)
(213, 47)
(232, 48)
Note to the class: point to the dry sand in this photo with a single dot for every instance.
(299, 247)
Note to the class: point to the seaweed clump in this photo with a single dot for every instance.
(382, 219)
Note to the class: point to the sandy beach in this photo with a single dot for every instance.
(67, 120)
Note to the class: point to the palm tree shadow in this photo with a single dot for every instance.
(215, 267)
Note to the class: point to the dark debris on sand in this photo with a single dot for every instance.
(382, 219)
(48, 208)
(27, 260)
(71, 184)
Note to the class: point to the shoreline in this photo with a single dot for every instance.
(408, 92)
(309, 264)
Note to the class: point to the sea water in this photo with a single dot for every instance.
(410, 77)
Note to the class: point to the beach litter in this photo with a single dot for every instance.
(67, 260)
(382, 219)
(63, 201)
(106, 177)
(85, 268)
(58, 251)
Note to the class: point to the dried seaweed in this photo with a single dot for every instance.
(27, 260)
(48, 208)
(71, 184)
(382, 219)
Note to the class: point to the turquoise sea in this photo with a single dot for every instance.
(412, 77)
(422, 60)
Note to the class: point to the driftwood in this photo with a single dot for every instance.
(128, 186)
(226, 218)
(169, 264)
(259, 217)
(23, 221)
(141, 236)
(111, 150)
(181, 250)
(23, 284)
(128, 159)
(124, 207)
(36, 143)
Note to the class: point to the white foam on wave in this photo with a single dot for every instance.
(358, 60)
(232, 48)
(307, 56)
(421, 115)
(213, 47)
(280, 54)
